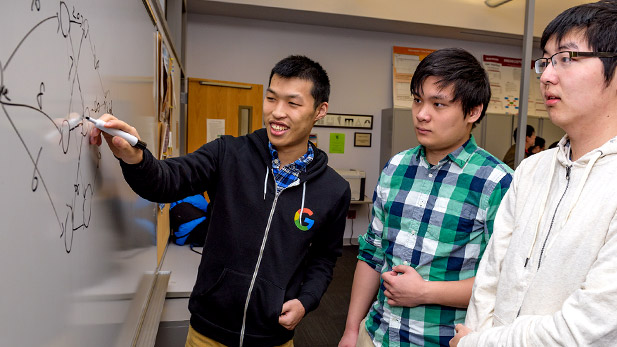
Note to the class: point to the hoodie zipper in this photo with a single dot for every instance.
(257, 265)
(568, 168)
(261, 251)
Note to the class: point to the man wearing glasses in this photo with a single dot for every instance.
(549, 274)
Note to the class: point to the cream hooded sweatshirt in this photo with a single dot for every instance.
(549, 274)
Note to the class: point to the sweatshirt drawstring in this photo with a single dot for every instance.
(579, 189)
(266, 182)
(577, 194)
(303, 195)
(547, 188)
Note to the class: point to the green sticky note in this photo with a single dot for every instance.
(337, 143)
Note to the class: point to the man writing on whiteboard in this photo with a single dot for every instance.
(277, 213)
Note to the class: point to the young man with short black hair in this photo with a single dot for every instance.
(433, 212)
(549, 275)
(276, 214)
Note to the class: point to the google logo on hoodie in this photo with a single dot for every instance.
(308, 221)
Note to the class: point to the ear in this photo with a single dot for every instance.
(474, 114)
(321, 111)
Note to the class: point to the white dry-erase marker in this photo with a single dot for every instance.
(134, 141)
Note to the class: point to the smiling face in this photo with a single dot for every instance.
(576, 96)
(441, 127)
(289, 114)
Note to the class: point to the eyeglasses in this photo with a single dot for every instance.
(563, 59)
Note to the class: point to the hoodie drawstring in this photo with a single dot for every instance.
(266, 182)
(576, 196)
(303, 195)
(546, 193)
(579, 189)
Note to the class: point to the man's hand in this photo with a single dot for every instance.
(119, 146)
(461, 331)
(404, 287)
(292, 313)
(349, 339)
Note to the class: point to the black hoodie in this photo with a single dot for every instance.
(259, 249)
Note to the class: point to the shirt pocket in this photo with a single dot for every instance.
(454, 227)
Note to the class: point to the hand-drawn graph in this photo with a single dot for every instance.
(75, 240)
(35, 107)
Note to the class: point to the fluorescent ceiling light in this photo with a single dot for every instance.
(495, 3)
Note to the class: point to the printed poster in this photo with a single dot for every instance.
(405, 60)
(504, 75)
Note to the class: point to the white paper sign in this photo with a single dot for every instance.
(215, 128)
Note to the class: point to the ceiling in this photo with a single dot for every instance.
(469, 19)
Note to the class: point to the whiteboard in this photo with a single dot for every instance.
(75, 240)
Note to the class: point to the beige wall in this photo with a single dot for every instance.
(358, 62)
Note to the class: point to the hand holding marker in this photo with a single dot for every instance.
(132, 140)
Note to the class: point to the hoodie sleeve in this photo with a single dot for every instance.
(586, 318)
(480, 311)
(322, 256)
(174, 178)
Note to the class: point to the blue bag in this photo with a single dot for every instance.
(187, 218)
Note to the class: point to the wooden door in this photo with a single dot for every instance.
(239, 104)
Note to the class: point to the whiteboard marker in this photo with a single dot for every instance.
(134, 141)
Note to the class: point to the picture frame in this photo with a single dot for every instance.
(344, 120)
(362, 139)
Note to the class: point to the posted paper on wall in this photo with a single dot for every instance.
(405, 60)
(504, 75)
(337, 143)
(215, 128)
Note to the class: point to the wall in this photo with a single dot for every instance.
(358, 62)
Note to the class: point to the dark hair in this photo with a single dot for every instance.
(456, 67)
(304, 68)
(553, 145)
(528, 133)
(598, 23)
(540, 142)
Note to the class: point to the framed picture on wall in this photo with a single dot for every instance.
(362, 139)
(341, 120)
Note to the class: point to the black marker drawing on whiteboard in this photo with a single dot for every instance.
(75, 213)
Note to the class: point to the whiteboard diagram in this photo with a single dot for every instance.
(27, 104)
(71, 225)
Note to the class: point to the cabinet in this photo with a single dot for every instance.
(397, 133)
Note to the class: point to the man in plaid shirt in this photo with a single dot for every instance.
(433, 212)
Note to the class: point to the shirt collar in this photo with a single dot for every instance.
(459, 156)
(299, 164)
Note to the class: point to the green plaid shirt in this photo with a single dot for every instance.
(437, 219)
